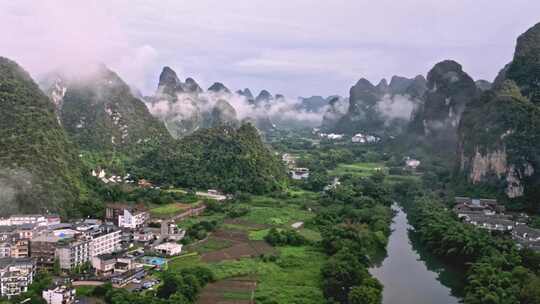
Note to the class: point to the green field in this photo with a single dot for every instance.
(236, 295)
(168, 210)
(293, 278)
(277, 216)
(358, 169)
(188, 222)
(309, 234)
(184, 261)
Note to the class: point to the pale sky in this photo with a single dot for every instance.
(295, 47)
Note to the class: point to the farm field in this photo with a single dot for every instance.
(358, 169)
(249, 270)
(169, 210)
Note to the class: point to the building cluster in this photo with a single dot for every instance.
(29, 243)
(295, 172)
(488, 214)
(113, 179)
(331, 136)
(361, 138)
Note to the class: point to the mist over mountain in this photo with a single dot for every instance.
(382, 107)
(449, 90)
(100, 113)
(186, 108)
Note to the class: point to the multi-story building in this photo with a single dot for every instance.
(72, 252)
(133, 219)
(21, 219)
(26, 231)
(108, 264)
(108, 240)
(126, 216)
(170, 231)
(43, 249)
(14, 248)
(35, 219)
(6, 232)
(59, 295)
(145, 235)
(15, 276)
(5, 249)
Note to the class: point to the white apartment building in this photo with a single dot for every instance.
(106, 242)
(15, 276)
(35, 219)
(132, 219)
(74, 253)
(59, 295)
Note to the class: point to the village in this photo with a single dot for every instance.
(489, 215)
(123, 247)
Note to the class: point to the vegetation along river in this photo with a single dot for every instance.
(412, 276)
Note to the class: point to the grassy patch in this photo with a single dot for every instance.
(293, 278)
(231, 268)
(210, 245)
(357, 169)
(84, 291)
(169, 210)
(184, 261)
(277, 216)
(297, 279)
(401, 178)
(310, 234)
(258, 235)
(188, 222)
(236, 227)
(236, 295)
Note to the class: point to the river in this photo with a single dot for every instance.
(412, 276)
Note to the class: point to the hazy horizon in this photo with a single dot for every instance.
(297, 48)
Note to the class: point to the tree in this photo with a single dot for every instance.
(365, 295)
(341, 273)
(56, 267)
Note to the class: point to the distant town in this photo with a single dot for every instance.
(120, 248)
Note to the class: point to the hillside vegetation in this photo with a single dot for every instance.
(223, 157)
(39, 167)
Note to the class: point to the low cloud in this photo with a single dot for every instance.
(13, 184)
(284, 112)
(397, 106)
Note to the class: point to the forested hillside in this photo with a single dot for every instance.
(39, 167)
(100, 114)
(223, 157)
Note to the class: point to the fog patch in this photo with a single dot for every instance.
(397, 106)
(14, 185)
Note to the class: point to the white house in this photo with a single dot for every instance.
(299, 173)
(59, 295)
(412, 163)
(169, 249)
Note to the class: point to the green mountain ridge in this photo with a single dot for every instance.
(226, 158)
(39, 167)
(499, 144)
(100, 114)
